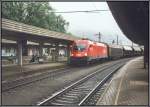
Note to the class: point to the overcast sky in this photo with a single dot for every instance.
(89, 24)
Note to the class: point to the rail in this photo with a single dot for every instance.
(67, 95)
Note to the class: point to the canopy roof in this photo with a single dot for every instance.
(16, 30)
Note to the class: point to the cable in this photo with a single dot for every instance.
(87, 11)
(94, 5)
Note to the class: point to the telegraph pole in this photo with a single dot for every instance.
(99, 36)
(117, 39)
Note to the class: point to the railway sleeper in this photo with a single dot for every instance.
(69, 99)
(75, 92)
(82, 88)
(70, 96)
(85, 87)
(59, 104)
(80, 91)
(64, 101)
(85, 90)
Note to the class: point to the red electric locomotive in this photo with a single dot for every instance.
(84, 51)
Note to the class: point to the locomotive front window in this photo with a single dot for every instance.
(79, 47)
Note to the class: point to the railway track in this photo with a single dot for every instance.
(95, 94)
(6, 86)
(80, 92)
(32, 78)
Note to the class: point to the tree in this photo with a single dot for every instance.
(13, 10)
(39, 14)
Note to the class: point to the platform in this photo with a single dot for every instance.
(128, 87)
(11, 72)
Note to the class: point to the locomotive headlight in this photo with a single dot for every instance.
(85, 54)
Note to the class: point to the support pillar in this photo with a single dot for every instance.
(19, 53)
(57, 51)
(41, 49)
(48, 49)
(68, 53)
(146, 54)
(25, 48)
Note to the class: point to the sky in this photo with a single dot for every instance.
(90, 24)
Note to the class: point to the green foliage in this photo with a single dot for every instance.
(39, 14)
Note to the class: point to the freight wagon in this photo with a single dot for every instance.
(115, 51)
(136, 50)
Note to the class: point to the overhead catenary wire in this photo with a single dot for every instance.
(93, 4)
(85, 11)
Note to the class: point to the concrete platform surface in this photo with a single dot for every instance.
(129, 86)
(13, 71)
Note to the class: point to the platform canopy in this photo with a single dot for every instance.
(13, 30)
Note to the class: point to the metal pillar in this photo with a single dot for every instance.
(146, 54)
(25, 48)
(68, 53)
(48, 49)
(57, 52)
(40, 49)
(19, 53)
(117, 39)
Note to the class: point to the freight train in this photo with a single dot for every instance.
(87, 51)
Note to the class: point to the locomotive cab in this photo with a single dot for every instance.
(79, 52)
